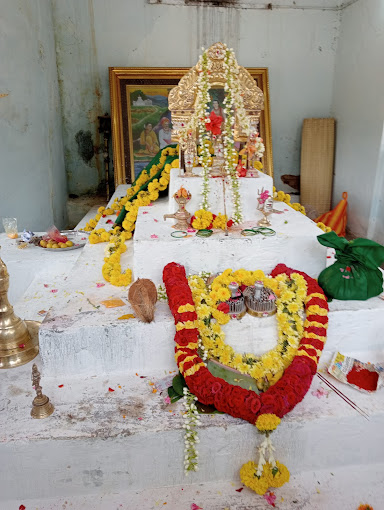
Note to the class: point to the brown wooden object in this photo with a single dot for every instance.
(317, 160)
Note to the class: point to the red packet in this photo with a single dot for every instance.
(362, 376)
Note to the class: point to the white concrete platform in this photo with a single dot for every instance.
(294, 244)
(83, 337)
(102, 441)
(31, 263)
(249, 190)
(344, 489)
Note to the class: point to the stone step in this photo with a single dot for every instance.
(129, 439)
(344, 489)
(81, 336)
(295, 244)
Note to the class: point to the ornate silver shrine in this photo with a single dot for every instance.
(260, 301)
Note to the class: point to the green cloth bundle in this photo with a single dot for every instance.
(355, 274)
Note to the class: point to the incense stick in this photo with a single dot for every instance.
(344, 397)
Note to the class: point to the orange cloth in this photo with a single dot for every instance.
(337, 218)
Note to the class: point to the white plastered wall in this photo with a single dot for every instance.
(358, 105)
(32, 173)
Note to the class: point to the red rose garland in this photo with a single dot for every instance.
(279, 399)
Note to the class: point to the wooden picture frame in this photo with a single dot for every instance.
(139, 105)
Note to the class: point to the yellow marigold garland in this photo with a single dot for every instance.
(268, 368)
(111, 269)
(280, 196)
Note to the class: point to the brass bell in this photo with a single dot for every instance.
(19, 340)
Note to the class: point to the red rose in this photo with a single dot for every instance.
(237, 398)
(216, 386)
(223, 307)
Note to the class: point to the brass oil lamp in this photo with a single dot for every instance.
(19, 340)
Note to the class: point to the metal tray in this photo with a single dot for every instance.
(73, 235)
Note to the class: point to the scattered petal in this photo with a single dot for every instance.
(270, 498)
(21, 346)
(239, 490)
(54, 291)
(195, 507)
(167, 400)
(154, 390)
(110, 389)
(140, 419)
(123, 415)
(109, 221)
(154, 236)
(42, 312)
(191, 230)
(154, 219)
(145, 212)
(113, 303)
(60, 385)
(320, 392)
(98, 285)
(126, 317)
(46, 286)
(21, 507)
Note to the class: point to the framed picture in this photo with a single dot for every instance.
(141, 121)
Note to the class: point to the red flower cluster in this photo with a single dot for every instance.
(279, 399)
(214, 123)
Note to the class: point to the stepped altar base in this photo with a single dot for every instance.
(294, 244)
(249, 189)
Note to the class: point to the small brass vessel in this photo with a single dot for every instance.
(182, 216)
(19, 340)
(41, 406)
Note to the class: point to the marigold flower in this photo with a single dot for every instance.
(267, 422)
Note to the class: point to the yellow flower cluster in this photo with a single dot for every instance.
(220, 221)
(323, 227)
(111, 269)
(102, 236)
(202, 219)
(268, 368)
(186, 308)
(267, 422)
(280, 196)
(271, 477)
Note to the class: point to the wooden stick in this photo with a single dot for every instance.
(344, 397)
(225, 208)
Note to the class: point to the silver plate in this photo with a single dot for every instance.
(73, 235)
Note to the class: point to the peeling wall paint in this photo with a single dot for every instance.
(298, 47)
(32, 172)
